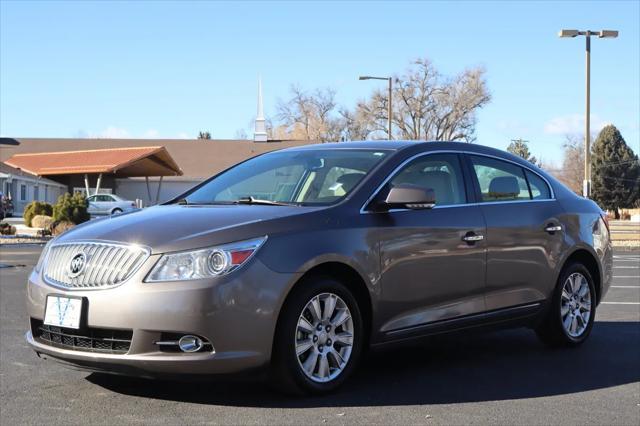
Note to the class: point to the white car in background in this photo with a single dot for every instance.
(108, 204)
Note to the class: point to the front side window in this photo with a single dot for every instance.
(499, 180)
(440, 172)
(306, 177)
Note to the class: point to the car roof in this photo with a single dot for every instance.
(397, 145)
(419, 146)
(380, 144)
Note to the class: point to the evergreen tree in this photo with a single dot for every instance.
(615, 171)
(520, 148)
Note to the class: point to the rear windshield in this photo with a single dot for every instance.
(307, 177)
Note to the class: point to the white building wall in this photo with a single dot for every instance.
(23, 191)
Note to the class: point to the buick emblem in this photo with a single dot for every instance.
(77, 264)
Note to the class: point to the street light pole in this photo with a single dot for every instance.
(586, 184)
(390, 105)
(390, 112)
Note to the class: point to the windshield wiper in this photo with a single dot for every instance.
(251, 200)
(182, 201)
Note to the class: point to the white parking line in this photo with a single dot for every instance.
(626, 267)
(625, 286)
(620, 303)
(626, 276)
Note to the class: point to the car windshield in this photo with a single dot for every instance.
(306, 177)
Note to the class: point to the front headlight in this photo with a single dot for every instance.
(204, 263)
(43, 256)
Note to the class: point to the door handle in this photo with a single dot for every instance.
(553, 228)
(472, 237)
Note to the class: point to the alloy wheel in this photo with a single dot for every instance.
(324, 337)
(575, 308)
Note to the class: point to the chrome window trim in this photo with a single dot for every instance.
(61, 286)
(424, 154)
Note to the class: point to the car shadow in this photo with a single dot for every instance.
(450, 369)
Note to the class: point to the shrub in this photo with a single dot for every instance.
(58, 227)
(35, 208)
(6, 229)
(71, 208)
(41, 221)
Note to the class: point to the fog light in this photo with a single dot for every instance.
(190, 343)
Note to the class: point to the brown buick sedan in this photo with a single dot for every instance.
(297, 261)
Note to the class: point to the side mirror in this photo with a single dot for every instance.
(407, 196)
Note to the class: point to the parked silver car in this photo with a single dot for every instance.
(297, 261)
(108, 204)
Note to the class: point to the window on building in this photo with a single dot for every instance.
(23, 192)
(36, 193)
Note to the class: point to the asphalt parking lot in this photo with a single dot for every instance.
(499, 377)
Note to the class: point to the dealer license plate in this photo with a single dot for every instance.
(63, 311)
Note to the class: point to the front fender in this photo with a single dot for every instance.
(300, 252)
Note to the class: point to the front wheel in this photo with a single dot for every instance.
(116, 211)
(573, 308)
(319, 337)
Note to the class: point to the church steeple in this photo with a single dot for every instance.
(260, 132)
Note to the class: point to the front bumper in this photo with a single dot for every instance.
(237, 313)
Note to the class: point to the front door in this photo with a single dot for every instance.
(93, 205)
(432, 261)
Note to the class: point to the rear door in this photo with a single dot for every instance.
(109, 203)
(432, 261)
(524, 233)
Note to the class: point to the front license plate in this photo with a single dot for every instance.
(63, 311)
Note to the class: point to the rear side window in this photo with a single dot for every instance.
(539, 188)
(439, 172)
(499, 180)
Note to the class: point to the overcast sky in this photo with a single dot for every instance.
(169, 69)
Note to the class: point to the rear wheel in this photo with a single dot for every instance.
(573, 308)
(116, 211)
(319, 338)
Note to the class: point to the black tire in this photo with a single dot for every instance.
(287, 374)
(552, 331)
(116, 211)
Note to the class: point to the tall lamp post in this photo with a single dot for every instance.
(389, 113)
(586, 184)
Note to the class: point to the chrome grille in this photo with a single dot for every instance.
(105, 265)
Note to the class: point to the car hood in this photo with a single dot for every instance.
(182, 227)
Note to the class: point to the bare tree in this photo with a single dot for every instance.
(241, 134)
(354, 125)
(428, 106)
(572, 171)
(310, 116)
